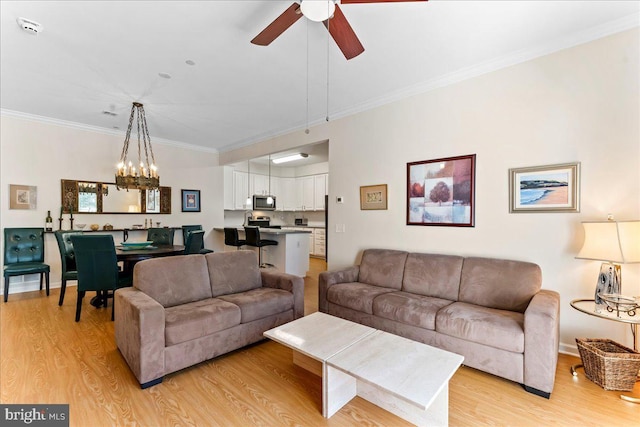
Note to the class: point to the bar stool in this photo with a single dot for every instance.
(252, 234)
(231, 238)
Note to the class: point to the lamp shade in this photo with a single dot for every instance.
(317, 10)
(613, 241)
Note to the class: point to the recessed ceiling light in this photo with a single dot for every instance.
(165, 75)
(190, 62)
(31, 27)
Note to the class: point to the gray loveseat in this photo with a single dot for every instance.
(491, 311)
(186, 309)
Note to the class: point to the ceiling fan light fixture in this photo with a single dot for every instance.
(290, 158)
(317, 10)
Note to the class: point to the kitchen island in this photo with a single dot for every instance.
(291, 255)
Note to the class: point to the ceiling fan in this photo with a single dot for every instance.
(325, 11)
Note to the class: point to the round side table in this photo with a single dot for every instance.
(587, 306)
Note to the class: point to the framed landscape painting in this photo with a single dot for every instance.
(441, 192)
(551, 188)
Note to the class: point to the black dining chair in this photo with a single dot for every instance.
(186, 229)
(24, 254)
(161, 236)
(252, 234)
(97, 268)
(194, 242)
(67, 259)
(231, 238)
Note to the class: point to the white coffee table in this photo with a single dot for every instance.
(405, 377)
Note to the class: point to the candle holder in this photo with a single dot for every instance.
(60, 224)
(71, 220)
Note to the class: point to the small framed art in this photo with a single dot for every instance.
(550, 188)
(373, 197)
(23, 197)
(190, 200)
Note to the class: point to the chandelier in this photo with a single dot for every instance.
(129, 176)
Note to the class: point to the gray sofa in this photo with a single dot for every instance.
(491, 311)
(186, 309)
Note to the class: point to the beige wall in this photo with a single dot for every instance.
(41, 154)
(579, 104)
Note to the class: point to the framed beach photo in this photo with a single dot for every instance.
(442, 192)
(190, 200)
(550, 188)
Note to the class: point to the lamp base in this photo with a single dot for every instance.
(609, 282)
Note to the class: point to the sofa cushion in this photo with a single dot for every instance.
(357, 296)
(233, 272)
(411, 309)
(433, 275)
(259, 303)
(496, 328)
(198, 319)
(382, 267)
(499, 283)
(173, 280)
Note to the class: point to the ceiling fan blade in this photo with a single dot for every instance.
(278, 26)
(375, 1)
(343, 34)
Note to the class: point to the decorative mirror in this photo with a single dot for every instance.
(102, 197)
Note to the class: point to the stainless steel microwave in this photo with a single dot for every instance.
(260, 203)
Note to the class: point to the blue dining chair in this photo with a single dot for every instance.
(24, 254)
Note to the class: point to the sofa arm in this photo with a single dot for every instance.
(326, 279)
(541, 341)
(139, 332)
(287, 282)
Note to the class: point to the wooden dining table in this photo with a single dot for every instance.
(130, 256)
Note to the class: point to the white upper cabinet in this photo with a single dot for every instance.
(320, 190)
(240, 189)
(260, 184)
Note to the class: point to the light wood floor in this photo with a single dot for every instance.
(48, 358)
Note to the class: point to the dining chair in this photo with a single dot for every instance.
(252, 234)
(194, 242)
(186, 229)
(67, 259)
(161, 236)
(231, 238)
(24, 254)
(97, 268)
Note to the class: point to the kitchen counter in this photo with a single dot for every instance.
(290, 255)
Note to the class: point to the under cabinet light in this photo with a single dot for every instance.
(290, 158)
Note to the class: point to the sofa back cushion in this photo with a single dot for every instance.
(382, 267)
(433, 275)
(499, 283)
(173, 280)
(233, 272)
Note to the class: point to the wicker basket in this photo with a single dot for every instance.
(610, 365)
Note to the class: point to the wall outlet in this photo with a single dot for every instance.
(339, 228)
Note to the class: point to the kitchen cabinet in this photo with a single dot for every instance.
(319, 241)
(320, 190)
(240, 188)
(305, 193)
(228, 188)
(260, 184)
(286, 194)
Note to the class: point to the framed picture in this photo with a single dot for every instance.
(190, 200)
(551, 188)
(23, 197)
(373, 197)
(442, 192)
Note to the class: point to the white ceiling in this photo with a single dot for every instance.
(101, 55)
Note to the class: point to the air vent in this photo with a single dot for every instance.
(32, 27)
(109, 113)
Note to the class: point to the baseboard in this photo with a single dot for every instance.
(30, 286)
(570, 349)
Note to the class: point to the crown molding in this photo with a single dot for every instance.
(613, 27)
(97, 129)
